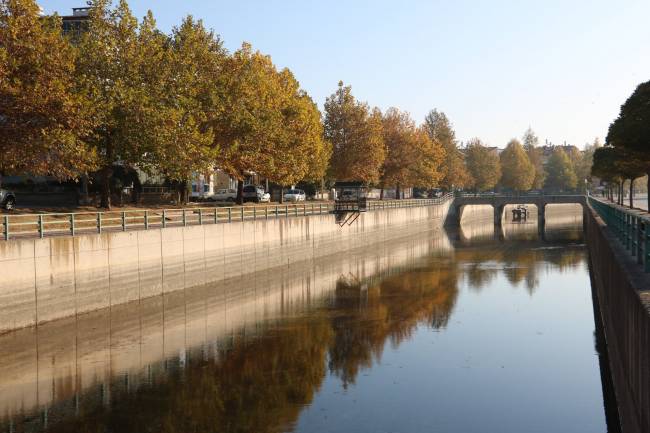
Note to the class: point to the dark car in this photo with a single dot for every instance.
(7, 199)
(255, 193)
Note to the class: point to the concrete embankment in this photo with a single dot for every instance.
(49, 365)
(47, 279)
(623, 292)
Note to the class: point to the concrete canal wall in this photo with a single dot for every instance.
(47, 279)
(623, 295)
(47, 366)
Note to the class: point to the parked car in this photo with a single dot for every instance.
(224, 195)
(7, 199)
(295, 195)
(256, 194)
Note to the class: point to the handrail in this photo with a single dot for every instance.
(53, 224)
(515, 194)
(630, 226)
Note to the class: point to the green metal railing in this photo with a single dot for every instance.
(53, 224)
(630, 226)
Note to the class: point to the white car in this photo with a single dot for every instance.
(295, 195)
(224, 195)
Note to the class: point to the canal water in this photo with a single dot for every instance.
(472, 330)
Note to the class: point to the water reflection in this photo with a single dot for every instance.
(321, 348)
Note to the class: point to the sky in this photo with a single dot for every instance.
(561, 67)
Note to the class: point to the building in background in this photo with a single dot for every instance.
(77, 23)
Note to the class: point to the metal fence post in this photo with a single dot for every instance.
(276, 210)
(254, 213)
(123, 221)
(646, 246)
(41, 231)
(200, 217)
(164, 218)
(266, 212)
(229, 214)
(633, 235)
(241, 211)
(216, 218)
(99, 222)
(286, 211)
(146, 220)
(184, 218)
(6, 227)
(72, 227)
(639, 241)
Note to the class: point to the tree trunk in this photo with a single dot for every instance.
(181, 187)
(648, 191)
(240, 192)
(281, 195)
(620, 192)
(631, 193)
(398, 192)
(105, 197)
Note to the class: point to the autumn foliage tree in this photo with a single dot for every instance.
(269, 125)
(483, 165)
(412, 158)
(517, 172)
(120, 71)
(560, 172)
(454, 170)
(534, 153)
(355, 132)
(189, 63)
(43, 121)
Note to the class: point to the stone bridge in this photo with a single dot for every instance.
(500, 201)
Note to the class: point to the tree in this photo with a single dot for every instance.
(269, 125)
(530, 143)
(190, 65)
(301, 151)
(483, 164)
(43, 121)
(604, 167)
(119, 71)
(631, 129)
(412, 157)
(429, 169)
(560, 173)
(517, 172)
(355, 132)
(584, 164)
(440, 130)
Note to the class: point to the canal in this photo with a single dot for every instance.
(466, 330)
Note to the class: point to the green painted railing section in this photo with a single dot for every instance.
(630, 226)
(51, 224)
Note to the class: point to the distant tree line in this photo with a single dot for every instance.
(123, 95)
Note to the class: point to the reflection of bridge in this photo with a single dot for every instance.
(500, 201)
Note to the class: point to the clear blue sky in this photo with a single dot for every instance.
(495, 67)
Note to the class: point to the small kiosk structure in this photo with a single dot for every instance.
(351, 200)
(520, 213)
